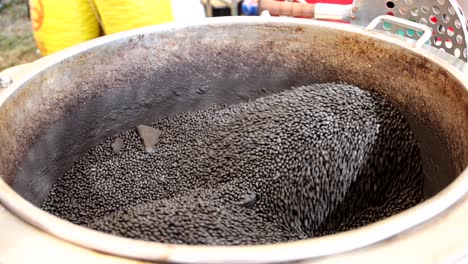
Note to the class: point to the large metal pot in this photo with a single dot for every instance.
(66, 103)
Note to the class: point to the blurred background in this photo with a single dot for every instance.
(35, 28)
(16, 36)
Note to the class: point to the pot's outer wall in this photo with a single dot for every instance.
(145, 77)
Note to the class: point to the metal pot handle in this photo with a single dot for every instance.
(406, 23)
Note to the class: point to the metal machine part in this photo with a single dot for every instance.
(426, 31)
(445, 17)
(66, 103)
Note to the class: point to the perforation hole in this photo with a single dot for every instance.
(457, 53)
(415, 11)
(425, 9)
(457, 24)
(441, 29)
(441, 2)
(403, 10)
(410, 33)
(433, 19)
(450, 31)
(423, 21)
(459, 39)
(387, 25)
(436, 10)
(390, 4)
(451, 10)
(448, 43)
(409, 2)
(438, 41)
(446, 18)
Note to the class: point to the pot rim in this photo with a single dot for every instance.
(274, 253)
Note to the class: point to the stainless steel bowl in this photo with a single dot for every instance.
(64, 104)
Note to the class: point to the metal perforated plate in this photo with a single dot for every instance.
(445, 17)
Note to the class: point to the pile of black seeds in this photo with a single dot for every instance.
(311, 161)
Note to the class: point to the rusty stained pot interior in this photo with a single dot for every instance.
(70, 106)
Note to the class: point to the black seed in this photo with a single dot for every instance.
(311, 161)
